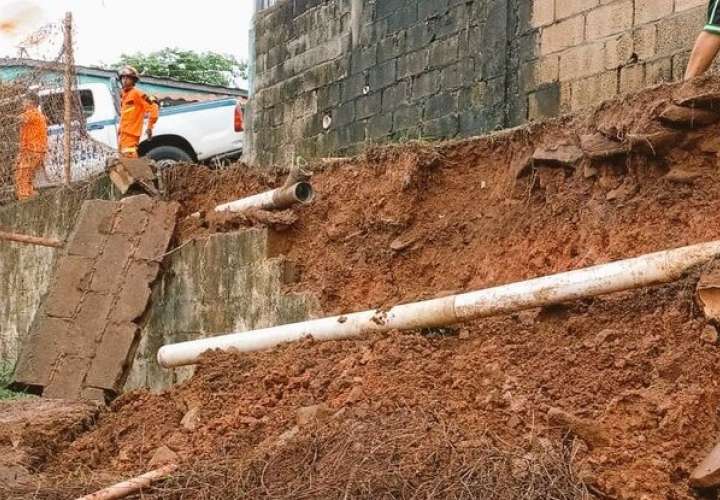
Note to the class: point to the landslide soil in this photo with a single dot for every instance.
(418, 220)
(410, 410)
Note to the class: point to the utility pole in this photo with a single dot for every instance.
(69, 75)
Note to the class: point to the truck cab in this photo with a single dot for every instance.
(193, 132)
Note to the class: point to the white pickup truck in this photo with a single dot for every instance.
(184, 133)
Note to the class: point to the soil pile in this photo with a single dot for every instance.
(613, 397)
(620, 364)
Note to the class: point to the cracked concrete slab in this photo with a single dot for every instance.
(84, 333)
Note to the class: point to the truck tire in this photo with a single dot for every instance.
(167, 156)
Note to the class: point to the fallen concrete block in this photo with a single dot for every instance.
(126, 173)
(566, 155)
(707, 474)
(679, 116)
(597, 146)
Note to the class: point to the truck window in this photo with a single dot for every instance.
(87, 102)
(53, 105)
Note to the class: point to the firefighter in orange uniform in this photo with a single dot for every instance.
(33, 146)
(134, 105)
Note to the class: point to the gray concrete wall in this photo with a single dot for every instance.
(25, 270)
(332, 76)
(227, 283)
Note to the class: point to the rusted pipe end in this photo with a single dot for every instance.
(304, 192)
(299, 193)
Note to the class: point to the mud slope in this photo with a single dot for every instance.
(633, 365)
(415, 220)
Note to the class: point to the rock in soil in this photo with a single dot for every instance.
(654, 143)
(563, 154)
(589, 431)
(679, 116)
(191, 419)
(163, 456)
(709, 335)
(705, 100)
(309, 415)
(707, 474)
(683, 175)
(708, 292)
(597, 146)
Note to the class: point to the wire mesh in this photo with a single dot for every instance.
(44, 67)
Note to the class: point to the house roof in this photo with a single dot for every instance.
(106, 73)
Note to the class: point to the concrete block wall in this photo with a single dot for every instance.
(334, 75)
(228, 283)
(588, 51)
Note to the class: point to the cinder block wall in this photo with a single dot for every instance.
(591, 50)
(334, 75)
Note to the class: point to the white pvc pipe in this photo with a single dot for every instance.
(131, 486)
(646, 270)
(280, 198)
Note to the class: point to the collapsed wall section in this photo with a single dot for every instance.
(87, 326)
(25, 270)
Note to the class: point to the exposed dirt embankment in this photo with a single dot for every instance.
(616, 396)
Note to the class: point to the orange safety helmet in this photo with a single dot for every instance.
(129, 71)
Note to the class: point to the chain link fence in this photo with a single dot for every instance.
(45, 67)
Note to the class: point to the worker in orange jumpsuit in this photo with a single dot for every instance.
(134, 106)
(33, 146)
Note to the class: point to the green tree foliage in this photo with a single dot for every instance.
(209, 68)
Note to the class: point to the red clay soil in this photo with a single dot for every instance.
(416, 220)
(633, 364)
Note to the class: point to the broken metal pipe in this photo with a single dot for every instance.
(646, 270)
(31, 240)
(131, 486)
(277, 199)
